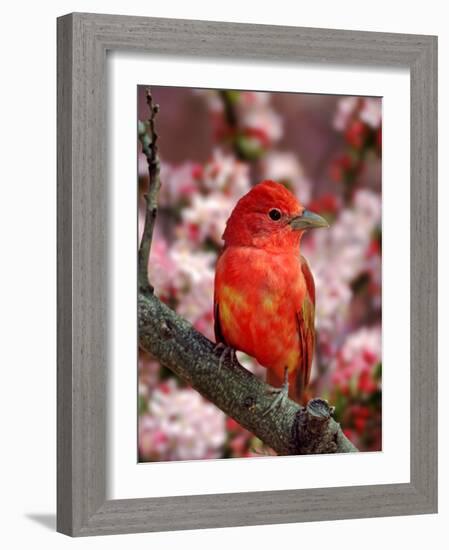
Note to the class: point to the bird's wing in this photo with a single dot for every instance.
(306, 328)
(219, 338)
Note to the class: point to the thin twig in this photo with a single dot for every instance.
(231, 118)
(148, 138)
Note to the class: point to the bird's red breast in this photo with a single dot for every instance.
(264, 290)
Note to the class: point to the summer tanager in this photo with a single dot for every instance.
(264, 290)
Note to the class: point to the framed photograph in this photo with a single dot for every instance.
(247, 274)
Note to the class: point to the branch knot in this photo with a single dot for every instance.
(311, 433)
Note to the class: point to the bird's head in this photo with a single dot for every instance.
(270, 217)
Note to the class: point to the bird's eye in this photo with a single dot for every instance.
(275, 214)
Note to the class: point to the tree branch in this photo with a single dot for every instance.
(288, 428)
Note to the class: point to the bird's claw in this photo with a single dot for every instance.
(281, 394)
(224, 350)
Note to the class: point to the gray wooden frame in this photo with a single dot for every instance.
(83, 40)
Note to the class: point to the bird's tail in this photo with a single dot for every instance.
(296, 382)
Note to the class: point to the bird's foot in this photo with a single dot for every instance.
(224, 351)
(281, 394)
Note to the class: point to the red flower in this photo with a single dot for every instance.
(327, 203)
(193, 231)
(356, 134)
(197, 171)
(366, 384)
(260, 135)
(379, 140)
(360, 411)
(238, 444)
(159, 437)
(232, 425)
(360, 424)
(369, 357)
(340, 167)
(164, 387)
(373, 248)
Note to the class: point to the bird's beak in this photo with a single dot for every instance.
(308, 220)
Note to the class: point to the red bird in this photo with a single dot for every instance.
(264, 301)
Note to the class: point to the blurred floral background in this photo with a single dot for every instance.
(214, 145)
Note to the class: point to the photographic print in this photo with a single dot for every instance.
(260, 225)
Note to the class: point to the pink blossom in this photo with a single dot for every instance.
(180, 425)
(184, 274)
(227, 174)
(368, 207)
(161, 267)
(373, 267)
(360, 353)
(153, 443)
(148, 374)
(179, 184)
(192, 267)
(207, 215)
(197, 306)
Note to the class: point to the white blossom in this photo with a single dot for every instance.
(371, 112)
(208, 215)
(286, 168)
(227, 174)
(345, 109)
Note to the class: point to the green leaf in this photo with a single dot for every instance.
(248, 149)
